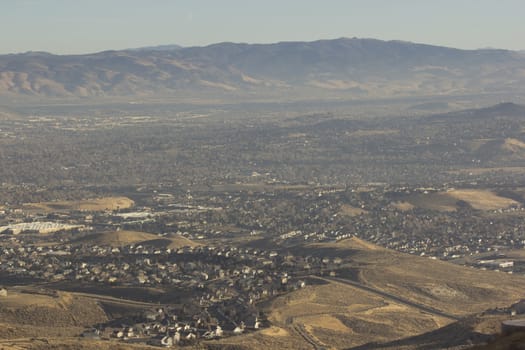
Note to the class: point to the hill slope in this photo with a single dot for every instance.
(124, 238)
(444, 286)
(355, 67)
(385, 299)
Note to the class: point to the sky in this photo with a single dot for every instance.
(82, 26)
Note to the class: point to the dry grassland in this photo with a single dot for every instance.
(513, 145)
(36, 315)
(342, 316)
(348, 210)
(124, 238)
(433, 201)
(339, 316)
(98, 204)
(403, 206)
(481, 199)
(271, 338)
(454, 289)
(274, 331)
(118, 238)
(179, 242)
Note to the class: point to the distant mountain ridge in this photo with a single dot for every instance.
(503, 109)
(349, 67)
(156, 48)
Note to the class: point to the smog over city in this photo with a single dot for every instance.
(237, 175)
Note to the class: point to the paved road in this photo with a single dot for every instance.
(393, 297)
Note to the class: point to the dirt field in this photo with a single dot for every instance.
(513, 145)
(98, 204)
(124, 238)
(349, 210)
(336, 315)
(454, 289)
(37, 315)
(275, 332)
(482, 199)
(403, 206)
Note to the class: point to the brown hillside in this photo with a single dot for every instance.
(36, 315)
(399, 301)
(514, 341)
(447, 287)
(124, 238)
(97, 204)
(482, 199)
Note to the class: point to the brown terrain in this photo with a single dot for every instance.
(96, 204)
(384, 298)
(394, 299)
(482, 199)
(123, 238)
(351, 67)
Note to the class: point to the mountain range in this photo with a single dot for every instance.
(340, 67)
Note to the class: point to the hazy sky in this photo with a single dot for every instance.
(79, 26)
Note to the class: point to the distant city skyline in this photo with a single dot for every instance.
(74, 27)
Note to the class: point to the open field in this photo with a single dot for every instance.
(453, 289)
(349, 210)
(403, 206)
(513, 145)
(339, 315)
(35, 315)
(274, 331)
(260, 340)
(433, 201)
(124, 238)
(336, 315)
(482, 199)
(97, 204)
